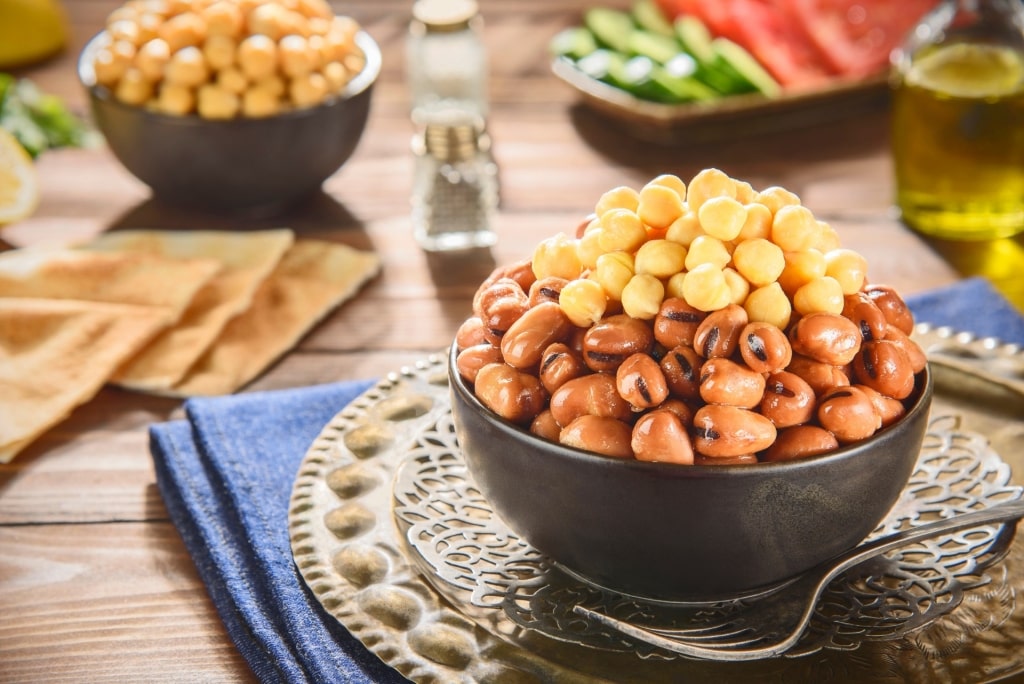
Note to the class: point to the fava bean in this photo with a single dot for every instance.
(892, 306)
(820, 376)
(545, 426)
(889, 410)
(726, 382)
(546, 290)
(800, 441)
(640, 381)
(866, 315)
(594, 395)
(515, 396)
(501, 305)
(884, 367)
(718, 335)
(609, 342)
(679, 407)
(682, 369)
(826, 337)
(915, 355)
(730, 431)
(599, 434)
(848, 414)
(528, 337)
(471, 359)
(470, 333)
(676, 322)
(558, 364)
(742, 459)
(788, 399)
(661, 436)
(765, 348)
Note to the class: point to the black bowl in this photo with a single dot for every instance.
(237, 164)
(685, 533)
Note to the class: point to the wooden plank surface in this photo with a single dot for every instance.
(95, 584)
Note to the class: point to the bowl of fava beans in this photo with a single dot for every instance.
(696, 395)
(230, 104)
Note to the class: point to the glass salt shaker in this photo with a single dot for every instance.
(455, 188)
(958, 121)
(446, 62)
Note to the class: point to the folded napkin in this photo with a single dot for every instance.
(226, 474)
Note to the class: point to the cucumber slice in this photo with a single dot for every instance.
(597, 64)
(681, 66)
(649, 17)
(658, 47)
(575, 43)
(665, 87)
(610, 27)
(695, 38)
(647, 80)
(734, 59)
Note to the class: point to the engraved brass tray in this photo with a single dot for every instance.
(373, 510)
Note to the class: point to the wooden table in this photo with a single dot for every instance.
(95, 583)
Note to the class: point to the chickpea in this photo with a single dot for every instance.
(258, 101)
(660, 258)
(318, 9)
(219, 51)
(557, 256)
(133, 88)
(823, 294)
(152, 58)
(584, 301)
(794, 228)
(622, 197)
(801, 268)
(232, 80)
(187, 68)
(745, 193)
(223, 18)
(257, 57)
(722, 217)
(848, 267)
(707, 249)
(187, 29)
(588, 246)
(684, 229)
(739, 288)
(109, 67)
(769, 304)
(268, 19)
(126, 30)
(774, 198)
(660, 205)
(758, 260)
(176, 99)
(214, 102)
(642, 296)
(758, 223)
(707, 184)
(614, 270)
(705, 288)
(623, 231)
(309, 90)
(295, 55)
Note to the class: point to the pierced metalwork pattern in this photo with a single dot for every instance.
(469, 554)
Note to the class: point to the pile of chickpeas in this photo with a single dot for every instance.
(223, 59)
(705, 323)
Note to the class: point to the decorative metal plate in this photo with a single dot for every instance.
(364, 572)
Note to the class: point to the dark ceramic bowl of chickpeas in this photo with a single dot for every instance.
(659, 442)
(231, 112)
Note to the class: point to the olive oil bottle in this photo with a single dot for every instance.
(958, 121)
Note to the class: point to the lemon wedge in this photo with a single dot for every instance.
(19, 186)
(968, 70)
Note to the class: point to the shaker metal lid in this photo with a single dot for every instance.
(445, 15)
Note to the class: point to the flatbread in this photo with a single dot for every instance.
(55, 354)
(118, 278)
(247, 259)
(312, 279)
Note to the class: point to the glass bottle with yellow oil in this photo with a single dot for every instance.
(958, 121)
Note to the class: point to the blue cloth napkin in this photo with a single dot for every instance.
(226, 474)
(971, 305)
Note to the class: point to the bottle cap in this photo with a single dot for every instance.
(444, 15)
(454, 143)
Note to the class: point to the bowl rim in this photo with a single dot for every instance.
(359, 83)
(923, 389)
